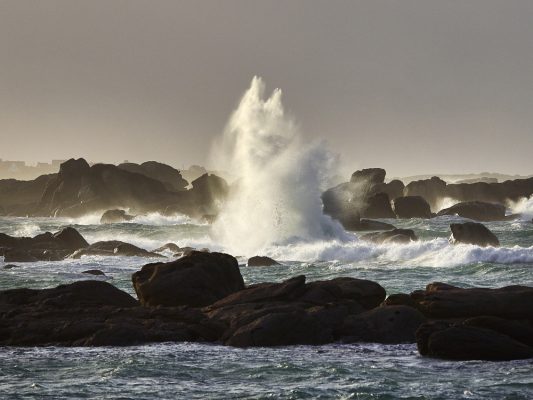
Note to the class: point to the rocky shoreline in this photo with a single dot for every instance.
(201, 297)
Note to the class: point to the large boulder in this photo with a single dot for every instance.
(432, 190)
(261, 261)
(473, 233)
(360, 224)
(370, 176)
(71, 238)
(411, 207)
(378, 206)
(113, 248)
(197, 280)
(115, 216)
(476, 210)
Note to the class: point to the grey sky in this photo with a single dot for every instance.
(412, 86)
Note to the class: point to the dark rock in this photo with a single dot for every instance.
(521, 331)
(473, 233)
(79, 294)
(411, 207)
(19, 255)
(166, 174)
(168, 246)
(22, 197)
(71, 238)
(372, 176)
(115, 216)
(94, 272)
(476, 210)
(512, 302)
(432, 190)
(10, 266)
(389, 324)
(113, 248)
(378, 206)
(281, 329)
(198, 279)
(459, 342)
(261, 261)
(392, 236)
(359, 225)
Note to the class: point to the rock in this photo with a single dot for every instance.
(77, 294)
(393, 236)
(281, 329)
(473, 233)
(371, 176)
(359, 225)
(166, 174)
(459, 342)
(261, 261)
(115, 217)
(71, 238)
(197, 280)
(19, 255)
(411, 207)
(10, 266)
(476, 210)
(378, 206)
(96, 272)
(521, 331)
(22, 197)
(168, 247)
(491, 192)
(432, 190)
(113, 248)
(389, 324)
(512, 302)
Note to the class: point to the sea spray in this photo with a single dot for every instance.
(276, 198)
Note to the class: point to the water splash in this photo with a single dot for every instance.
(276, 198)
(523, 206)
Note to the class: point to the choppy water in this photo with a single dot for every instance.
(333, 371)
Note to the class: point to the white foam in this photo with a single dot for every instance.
(523, 206)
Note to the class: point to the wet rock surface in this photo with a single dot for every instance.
(473, 233)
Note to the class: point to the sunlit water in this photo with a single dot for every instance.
(333, 371)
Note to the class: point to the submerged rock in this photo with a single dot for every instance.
(96, 272)
(473, 233)
(261, 261)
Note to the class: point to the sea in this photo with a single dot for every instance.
(335, 371)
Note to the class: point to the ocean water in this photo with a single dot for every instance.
(188, 370)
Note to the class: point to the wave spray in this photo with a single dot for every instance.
(276, 197)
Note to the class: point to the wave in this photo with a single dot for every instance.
(523, 206)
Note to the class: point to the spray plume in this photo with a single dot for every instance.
(276, 198)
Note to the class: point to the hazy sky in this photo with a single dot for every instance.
(412, 86)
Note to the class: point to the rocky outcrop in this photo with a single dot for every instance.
(164, 173)
(198, 279)
(371, 176)
(115, 216)
(21, 198)
(44, 247)
(411, 207)
(392, 236)
(476, 210)
(473, 233)
(261, 261)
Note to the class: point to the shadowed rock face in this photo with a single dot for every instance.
(473, 233)
(196, 280)
(372, 176)
(476, 210)
(432, 190)
(21, 198)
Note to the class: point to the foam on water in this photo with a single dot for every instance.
(524, 207)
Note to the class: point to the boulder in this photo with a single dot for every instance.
(359, 225)
(473, 233)
(411, 207)
(476, 210)
(389, 324)
(460, 342)
(432, 190)
(71, 238)
(261, 261)
(166, 174)
(393, 236)
(197, 280)
(371, 176)
(95, 272)
(378, 206)
(115, 217)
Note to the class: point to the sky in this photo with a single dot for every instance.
(411, 86)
